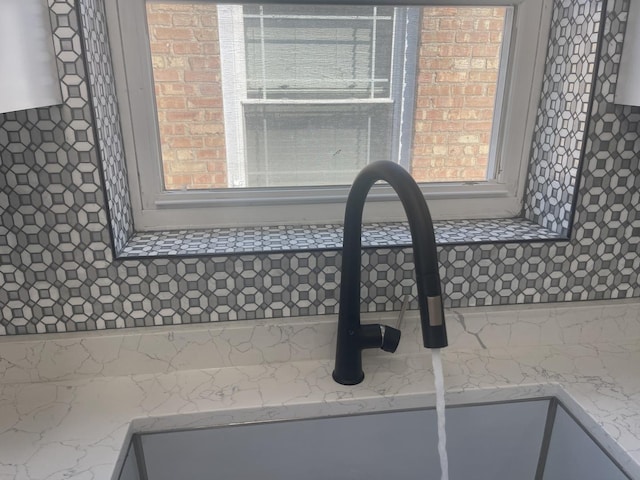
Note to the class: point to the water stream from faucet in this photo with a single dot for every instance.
(436, 360)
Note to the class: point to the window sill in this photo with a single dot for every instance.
(279, 239)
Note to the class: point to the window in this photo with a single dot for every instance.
(263, 114)
(317, 101)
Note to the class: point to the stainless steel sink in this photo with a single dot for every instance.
(535, 439)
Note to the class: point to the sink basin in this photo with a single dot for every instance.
(525, 439)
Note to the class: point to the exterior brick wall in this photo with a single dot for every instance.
(457, 72)
(186, 62)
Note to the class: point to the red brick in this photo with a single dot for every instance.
(160, 47)
(211, 48)
(182, 115)
(204, 102)
(204, 34)
(447, 126)
(177, 89)
(214, 115)
(209, 20)
(449, 101)
(451, 77)
(184, 142)
(431, 89)
(468, 89)
(214, 141)
(158, 18)
(171, 102)
(438, 36)
(487, 76)
(472, 37)
(485, 50)
(204, 63)
(164, 75)
(186, 48)
(210, 89)
(449, 23)
(454, 50)
(184, 20)
(463, 114)
(205, 129)
(208, 153)
(173, 33)
(198, 77)
(175, 182)
(434, 63)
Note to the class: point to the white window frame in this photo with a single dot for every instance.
(154, 209)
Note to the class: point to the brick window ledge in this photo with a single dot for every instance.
(277, 239)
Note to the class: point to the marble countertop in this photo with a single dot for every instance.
(69, 403)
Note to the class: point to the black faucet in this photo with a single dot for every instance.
(354, 337)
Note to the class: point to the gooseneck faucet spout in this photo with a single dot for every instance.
(354, 337)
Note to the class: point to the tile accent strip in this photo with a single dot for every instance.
(229, 241)
(107, 120)
(564, 104)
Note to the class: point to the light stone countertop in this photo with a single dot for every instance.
(69, 403)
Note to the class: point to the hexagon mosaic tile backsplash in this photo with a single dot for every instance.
(58, 272)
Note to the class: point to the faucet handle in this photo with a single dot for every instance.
(391, 335)
(403, 310)
(390, 338)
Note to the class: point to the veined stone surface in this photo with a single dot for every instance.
(68, 407)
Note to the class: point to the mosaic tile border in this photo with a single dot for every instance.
(221, 241)
(229, 241)
(563, 112)
(97, 56)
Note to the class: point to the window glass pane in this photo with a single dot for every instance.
(321, 92)
(280, 151)
(459, 58)
(318, 52)
(185, 54)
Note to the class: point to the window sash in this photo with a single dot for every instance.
(382, 137)
(357, 35)
(156, 209)
(346, 138)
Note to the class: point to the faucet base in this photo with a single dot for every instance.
(347, 380)
(348, 366)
